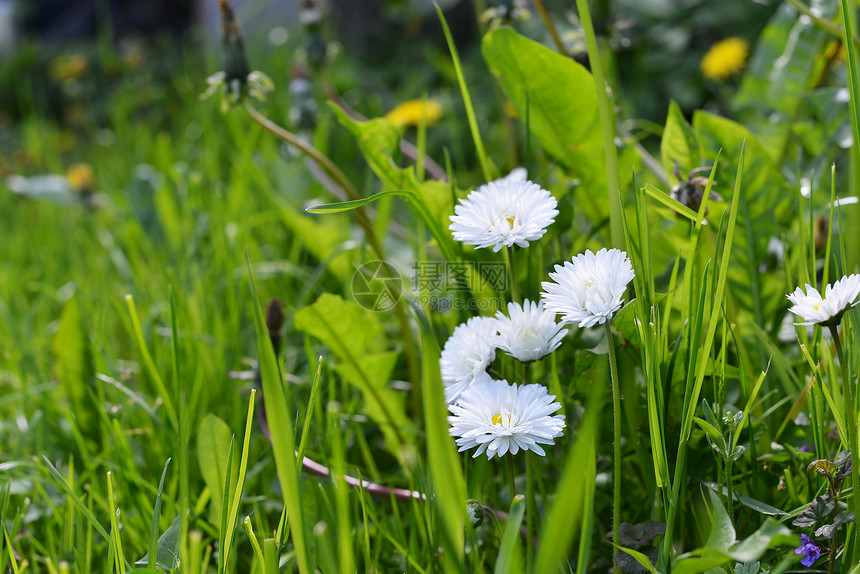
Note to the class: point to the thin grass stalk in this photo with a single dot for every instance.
(848, 10)
(512, 271)
(511, 483)
(362, 219)
(848, 397)
(467, 100)
(616, 436)
(182, 415)
(551, 27)
(607, 124)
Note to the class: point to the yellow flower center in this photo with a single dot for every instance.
(505, 419)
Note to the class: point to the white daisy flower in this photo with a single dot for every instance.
(499, 418)
(528, 333)
(503, 213)
(588, 289)
(815, 309)
(468, 352)
(517, 175)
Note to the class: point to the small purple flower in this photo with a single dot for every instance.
(810, 551)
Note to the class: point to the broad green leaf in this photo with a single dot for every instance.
(559, 96)
(167, 552)
(721, 547)
(213, 446)
(778, 76)
(764, 206)
(752, 503)
(74, 364)
(352, 334)
(770, 534)
(712, 432)
(722, 531)
(679, 144)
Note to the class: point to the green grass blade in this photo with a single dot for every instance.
(718, 297)
(315, 387)
(149, 364)
(240, 483)
(281, 422)
(509, 551)
(343, 206)
(12, 562)
(848, 12)
(446, 474)
(115, 538)
(565, 511)
(61, 481)
(607, 125)
(443, 239)
(667, 200)
(255, 544)
(223, 552)
(467, 100)
(156, 514)
(182, 415)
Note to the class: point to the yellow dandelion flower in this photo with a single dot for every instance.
(80, 176)
(69, 68)
(410, 113)
(725, 58)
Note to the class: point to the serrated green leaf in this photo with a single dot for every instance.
(817, 511)
(679, 144)
(352, 334)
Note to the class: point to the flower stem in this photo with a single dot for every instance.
(551, 28)
(616, 455)
(512, 270)
(848, 398)
(511, 484)
(729, 461)
(364, 221)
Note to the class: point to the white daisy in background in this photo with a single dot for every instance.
(528, 333)
(503, 213)
(517, 175)
(499, 418)
(815, 309)
(468, 352)
(588, 289)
